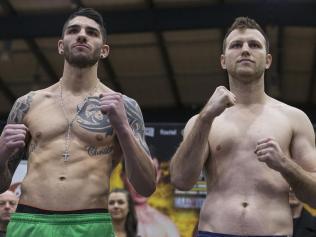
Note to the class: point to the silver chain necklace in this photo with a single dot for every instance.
(66, 154)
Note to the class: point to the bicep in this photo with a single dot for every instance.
(136, 122)
(188, 127)
(16, 116)
(303, 144)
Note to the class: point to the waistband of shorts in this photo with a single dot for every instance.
(211, 234)
(21, 208)
(61, 219)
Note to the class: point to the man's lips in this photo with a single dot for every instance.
(245, 60)
(81, 46)
(6, 215)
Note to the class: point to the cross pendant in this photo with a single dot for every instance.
(66, 156)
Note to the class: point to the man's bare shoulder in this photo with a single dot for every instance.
(292, 113)
(40, 96)
(28, 101)
(104, 88)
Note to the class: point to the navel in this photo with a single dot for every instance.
(245, 204)
(62, 178)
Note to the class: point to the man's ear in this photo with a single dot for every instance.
(105, 50)
(223, 62)
(60, 46)
(268, 60)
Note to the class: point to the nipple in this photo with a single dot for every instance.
(218, 148)
(99, 137)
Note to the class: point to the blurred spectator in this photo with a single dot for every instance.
(122, 210)
(151, 222)
(8, 204)
(304, 224)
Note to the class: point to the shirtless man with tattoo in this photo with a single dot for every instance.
(73, 133)
(252, 147)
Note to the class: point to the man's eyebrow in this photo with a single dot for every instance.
(235, 41)
(88, 27)
(72, 26)
(256, 41)
(93, 28)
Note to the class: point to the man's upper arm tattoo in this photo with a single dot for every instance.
(20, 108)
(136, 121)
(18, 111)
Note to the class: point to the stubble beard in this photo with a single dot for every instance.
(82, 61)
(247, 76)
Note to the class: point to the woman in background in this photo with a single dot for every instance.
(122, 210)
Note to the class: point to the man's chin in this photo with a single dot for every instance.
(5, 218)
(246, 72)
(248, 75)
(82, 64)
(81, 61)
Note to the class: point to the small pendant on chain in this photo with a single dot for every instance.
(66, 156)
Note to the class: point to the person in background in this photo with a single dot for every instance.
(122, 210)
(304, 224)
(8, 204)
(151, 222)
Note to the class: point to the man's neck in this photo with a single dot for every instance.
(79, 80)
(248, 92)
(3, 226)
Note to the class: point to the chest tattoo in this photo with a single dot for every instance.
(99, 151)
(92, 119)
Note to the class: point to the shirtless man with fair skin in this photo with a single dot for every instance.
(75, 132)
(251, 147)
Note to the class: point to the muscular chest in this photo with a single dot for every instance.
(242, 130)
(233, 140)
(87, 123)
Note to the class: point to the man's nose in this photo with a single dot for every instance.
(82, 36)
(245, 49)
